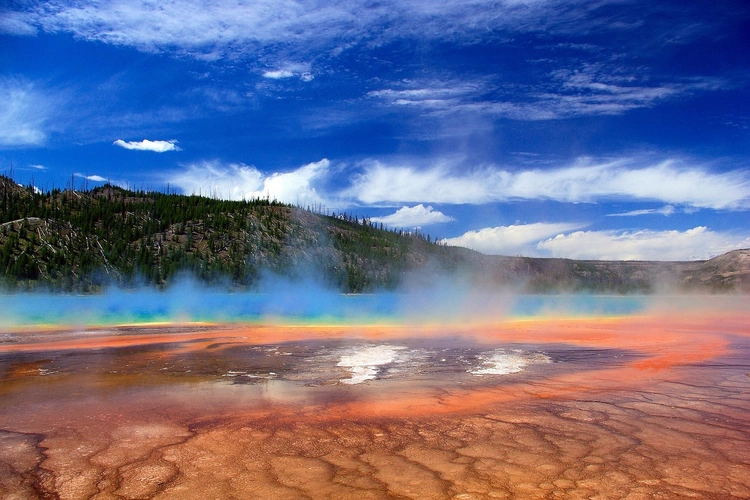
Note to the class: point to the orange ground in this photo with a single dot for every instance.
(657, 408)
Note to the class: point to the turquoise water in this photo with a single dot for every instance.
(188, 304)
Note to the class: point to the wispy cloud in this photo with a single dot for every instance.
(95, 178)
(290, 70)
(430, 94)
(607, 89)
(273, 36)
(16, 23)
(23, 113)
(204, 30)
(278, 74)
(147, 145)
(520, 239)
(217, 28)
(665, 210)
(694, 244)
(416, 216)
(244, 182)
(594, 89)
(585, 181)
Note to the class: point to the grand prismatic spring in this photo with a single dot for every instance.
(328, 396)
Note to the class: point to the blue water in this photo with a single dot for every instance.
(189, 304)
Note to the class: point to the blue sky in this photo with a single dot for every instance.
(598, 129)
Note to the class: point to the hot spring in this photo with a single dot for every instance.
(205, 394)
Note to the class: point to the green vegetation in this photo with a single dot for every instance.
(83, 241)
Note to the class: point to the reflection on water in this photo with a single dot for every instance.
(643, 405)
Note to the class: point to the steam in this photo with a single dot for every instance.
(441, 303)
(425, 299)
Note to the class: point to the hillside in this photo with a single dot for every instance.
(85, 241)
(71, 240)
(728, 271)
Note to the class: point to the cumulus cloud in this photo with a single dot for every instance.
(677, 184)
(586, 181)
(693, 244)
(518, 239)
(416, 216)
(244, 182)
(23, 113)
(565, 240)
(389, 183)
(214, 179)
(146, 145)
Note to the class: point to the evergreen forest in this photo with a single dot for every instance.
(84, 241)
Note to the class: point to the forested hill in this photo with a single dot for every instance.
(84, 241)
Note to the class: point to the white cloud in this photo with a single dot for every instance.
(416, 216)
(518, 239)
(557, 101)
(565, 241)
(216, 28)
(665, 210)
(382, 183)
(95, 178)
(674, 183)
(430, 94)
(16, 23)
(594, 89)
(585, 181)
(597, 90)
(298, 186)
(23, 113)
(276, 31)
(694, 244)
(146, 145)
(245, 182)
(207, 30)
(213, 179)
(290, 70)
(278, 74)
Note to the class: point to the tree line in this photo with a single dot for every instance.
(85, 240)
